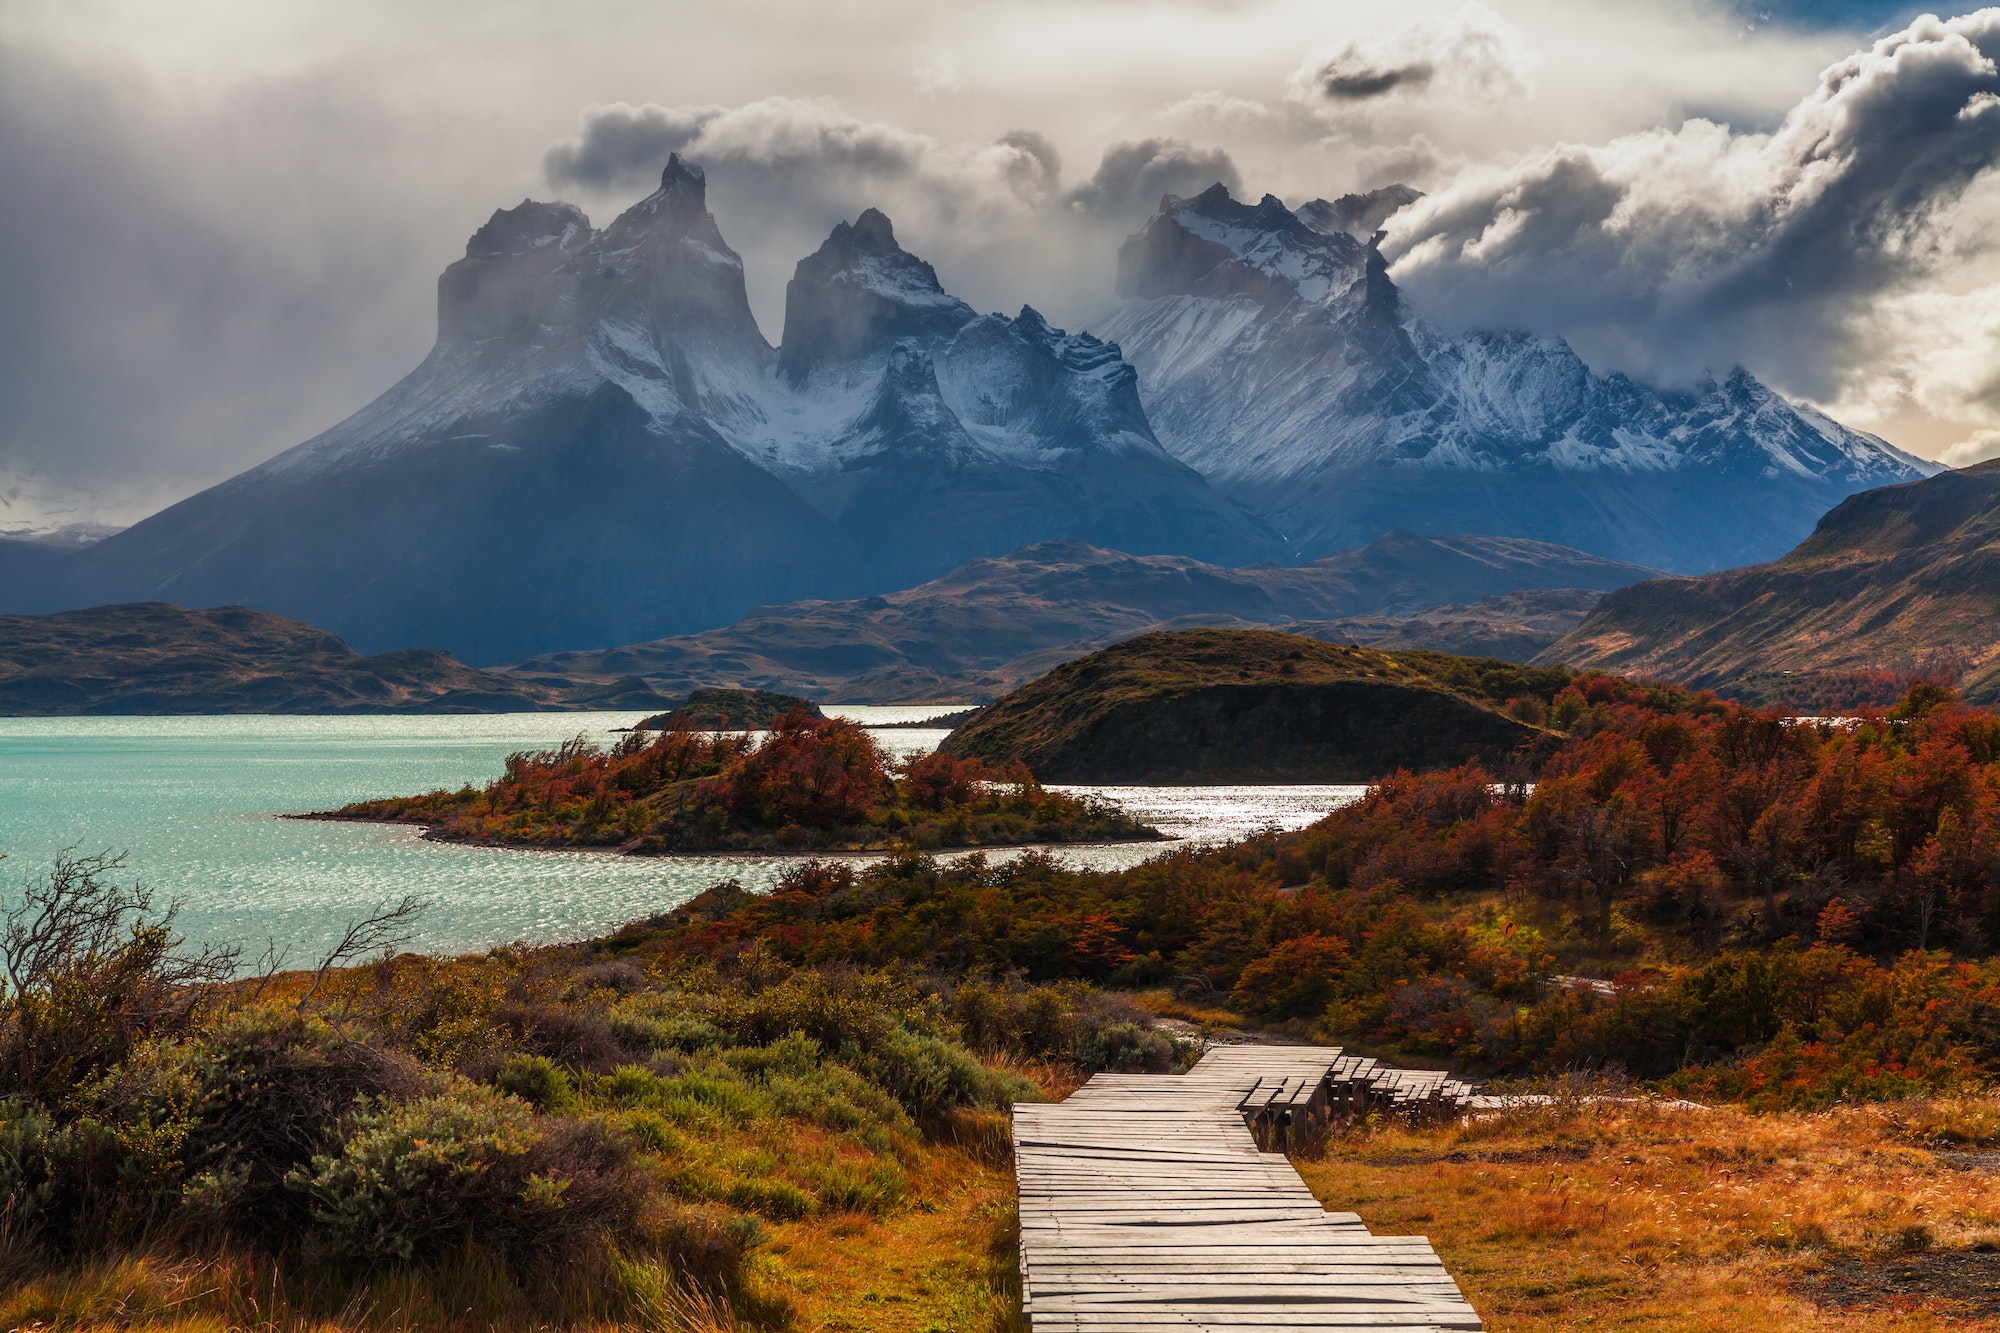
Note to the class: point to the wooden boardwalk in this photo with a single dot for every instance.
(1146, 1205)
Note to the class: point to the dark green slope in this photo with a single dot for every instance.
(1254, 706)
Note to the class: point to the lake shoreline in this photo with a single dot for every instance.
(436, 834)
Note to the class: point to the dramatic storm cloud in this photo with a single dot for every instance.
(1674, 252)
(225, 222)
(1474, 55)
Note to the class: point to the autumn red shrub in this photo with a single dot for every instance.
(1814, 904)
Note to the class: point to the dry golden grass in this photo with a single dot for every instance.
(1631, 1216)
(945, 1264)
(1165, 1004)
(943, 1260)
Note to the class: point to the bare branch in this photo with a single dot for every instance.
(90, 969)
(74, 911)
(386, 928)
(269, 964)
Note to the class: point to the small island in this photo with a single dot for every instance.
(1212, 705)
(725, 708)
(815, 784)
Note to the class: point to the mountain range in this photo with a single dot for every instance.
(994, 624)
(602, 448)
(1902, 580)
(150, 658)
(1277, 358)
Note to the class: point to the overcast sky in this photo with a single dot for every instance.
(222, 220)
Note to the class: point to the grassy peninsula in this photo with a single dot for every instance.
(812, 784)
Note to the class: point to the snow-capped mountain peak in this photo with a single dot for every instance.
(602, 447)
(1213, 246)
(857, 296)
(1276, 357)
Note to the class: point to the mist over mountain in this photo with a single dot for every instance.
(1277, 358)
(602, 448)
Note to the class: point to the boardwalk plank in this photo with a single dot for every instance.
(1145, 1202)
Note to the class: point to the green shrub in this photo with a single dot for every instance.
(931, 1076)
(536, 1080)
(81, 1185)
(271, 1091)
(646, 1024)
(471, 1164)
(1126, 1048)
(772, 1197)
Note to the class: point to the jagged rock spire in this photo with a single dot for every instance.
(858, 295)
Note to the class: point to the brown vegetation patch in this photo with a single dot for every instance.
(1643, 1215)
(1961, 1283)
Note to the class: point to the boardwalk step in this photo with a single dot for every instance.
(1146, 1203)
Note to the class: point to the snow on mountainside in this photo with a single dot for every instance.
(1276, 358)
(603, 448)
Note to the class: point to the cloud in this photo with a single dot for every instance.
(1981, 446)
(1132, 176)
(169, 322)
(1472, 56)
(623, 145)
(782, 171)
(226, 222)
(1216, 109)
(1671, 252)
(939, 76)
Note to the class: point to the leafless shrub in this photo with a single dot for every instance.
(91, 970)
(383, 930)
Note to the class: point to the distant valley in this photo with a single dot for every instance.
(992, 625)
(975, 634)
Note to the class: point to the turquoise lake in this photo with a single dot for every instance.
(191, 803)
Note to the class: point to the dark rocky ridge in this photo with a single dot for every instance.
(151, 658)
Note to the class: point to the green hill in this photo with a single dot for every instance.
(1254, 706)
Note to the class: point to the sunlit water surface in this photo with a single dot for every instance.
(191, 802)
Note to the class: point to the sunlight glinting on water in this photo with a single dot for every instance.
(191, 800)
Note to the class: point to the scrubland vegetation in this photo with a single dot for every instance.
(813, 783)
(788, 1110)
(517, 1139)
(1640, 1214)
(1689, 891)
